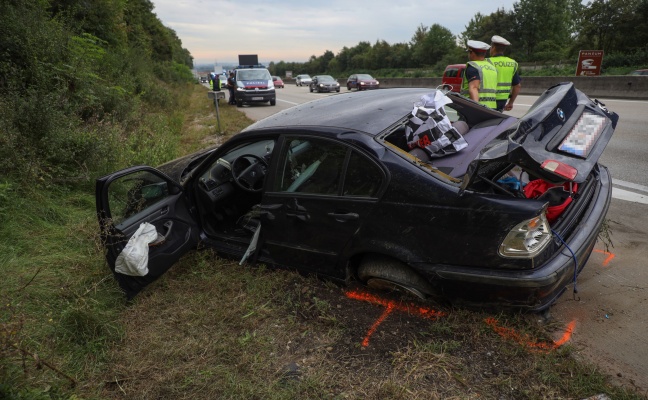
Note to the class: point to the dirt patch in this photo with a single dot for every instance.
(609, 308)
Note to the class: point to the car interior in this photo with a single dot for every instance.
(230, 189)
(478, 127)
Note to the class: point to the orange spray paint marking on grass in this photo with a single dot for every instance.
(526, 341)
(390, 306)
(388, 310)
(609, 255)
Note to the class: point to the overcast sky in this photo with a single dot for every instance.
(217, 31)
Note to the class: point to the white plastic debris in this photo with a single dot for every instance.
(253, 245)
(133, 260)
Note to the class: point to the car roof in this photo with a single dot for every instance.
(372, 111)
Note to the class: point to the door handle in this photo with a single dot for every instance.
(161, 238)
(344, 216)
(300, 216)
(265, 210)
(270, 206)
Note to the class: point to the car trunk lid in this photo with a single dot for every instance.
(559, 140)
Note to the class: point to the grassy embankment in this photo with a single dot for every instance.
(213, 329)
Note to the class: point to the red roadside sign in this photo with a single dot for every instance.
(589, 62)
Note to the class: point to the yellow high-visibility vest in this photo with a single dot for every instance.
(487, 83)
(506, 69)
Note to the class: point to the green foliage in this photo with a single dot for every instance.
(73, 76)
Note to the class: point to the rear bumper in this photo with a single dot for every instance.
(532, 290)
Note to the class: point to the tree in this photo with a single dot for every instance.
(432, 45)
(543, 21)
(608, 25)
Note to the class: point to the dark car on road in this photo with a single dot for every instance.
(324, 83)
(362, 82)
(342, 194)
(640, 72)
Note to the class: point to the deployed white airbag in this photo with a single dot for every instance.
(133, 260)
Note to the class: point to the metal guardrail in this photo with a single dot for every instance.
(622, 87)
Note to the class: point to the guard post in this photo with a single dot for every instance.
(216, 95)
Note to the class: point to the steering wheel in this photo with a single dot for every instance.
(247, 175)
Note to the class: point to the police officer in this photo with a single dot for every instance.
(216, 83)
(508, 77)
(480, 77)
(231, 86)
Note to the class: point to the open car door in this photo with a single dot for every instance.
(130, 197)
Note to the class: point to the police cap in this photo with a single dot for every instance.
(477, 46)
(500, 40)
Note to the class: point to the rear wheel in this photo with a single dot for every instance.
(384, 273)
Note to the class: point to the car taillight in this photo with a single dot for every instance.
(559, 168)
(527, 239)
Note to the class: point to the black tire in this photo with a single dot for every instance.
(348, 87)
(384, 273)
(310, 88)
(337, 90)
(273, 102)
(239, 103)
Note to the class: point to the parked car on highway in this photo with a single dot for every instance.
(453, 75)
(324, 83)
(303, 79)
(223, 81)
(640, 72)
(362, 82)
(344, 194)
(278, 82)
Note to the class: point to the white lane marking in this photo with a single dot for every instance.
(622, 101)
(630, 185)
(289, 102)
(629, 196)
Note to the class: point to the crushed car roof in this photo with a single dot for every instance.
(371, 112)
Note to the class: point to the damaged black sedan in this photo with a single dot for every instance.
(416, 189)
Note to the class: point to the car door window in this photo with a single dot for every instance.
(317, 166)
(311, 166)
(363, 177)
(133, 193)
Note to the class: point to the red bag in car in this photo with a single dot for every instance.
(558, 196)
